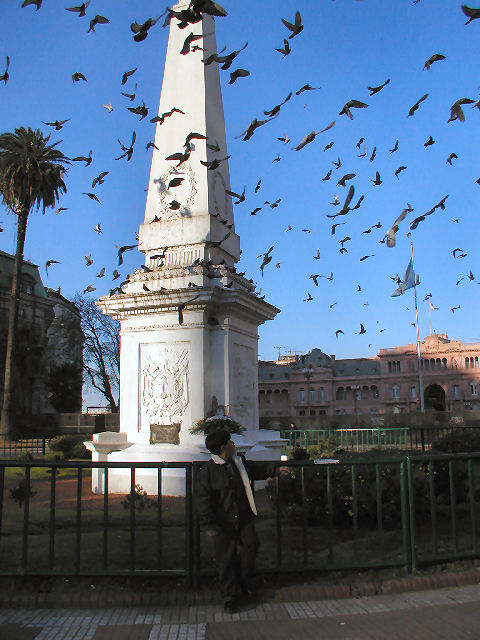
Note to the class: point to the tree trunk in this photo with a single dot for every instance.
(8, 425)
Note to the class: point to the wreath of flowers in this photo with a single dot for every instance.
(216, 422)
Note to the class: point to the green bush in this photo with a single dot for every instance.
(53, 456)
(316, 497)
(140, 499)
(70, 447)
(458, 441)
(324, 449)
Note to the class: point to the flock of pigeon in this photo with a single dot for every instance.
(342, 206)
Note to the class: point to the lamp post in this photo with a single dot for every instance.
(355, 388)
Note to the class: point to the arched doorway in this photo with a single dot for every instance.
(434, 397)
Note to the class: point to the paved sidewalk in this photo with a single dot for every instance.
(452, 613)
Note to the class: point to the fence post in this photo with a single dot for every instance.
(189, 533)
(411, 516)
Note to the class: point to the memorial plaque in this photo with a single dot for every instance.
(165, 433)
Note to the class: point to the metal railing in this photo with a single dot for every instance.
(363, 439)
(13, 448)
(395, 512)
(64, 534)
(359, 439)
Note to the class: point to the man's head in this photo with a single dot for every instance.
(219, 442)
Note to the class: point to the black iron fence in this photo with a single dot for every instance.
(363, 439)
(13, 448)
(403, 512)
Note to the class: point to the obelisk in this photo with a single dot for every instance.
(189, 322)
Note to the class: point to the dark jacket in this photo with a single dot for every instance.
(215, 499)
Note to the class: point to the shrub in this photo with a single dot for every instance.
(316, 497)
(458, 441)
(20, 492)
(140, 498)
(70, 446)
(297, 453)
(216, 422)
(324, 449)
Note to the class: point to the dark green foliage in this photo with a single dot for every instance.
(342, 501)
(298, 453)
(140, 498)
(20, 492)
(458, 441)
(70, 447)
(217, 422)
(65, 384)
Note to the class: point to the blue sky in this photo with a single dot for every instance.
(345, 46)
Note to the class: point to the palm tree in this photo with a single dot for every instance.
(31, 173)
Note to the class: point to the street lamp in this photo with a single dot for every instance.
(355, 388)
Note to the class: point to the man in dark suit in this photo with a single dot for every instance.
(227, 512)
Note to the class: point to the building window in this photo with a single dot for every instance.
(322, 412)
(302, 412)
(474, 388)
(395, 391)
(476, 362)
(312, 395)
(374, 390)
(467, 363)
(394, 366)
(438, 363)
(413, 392)
(340, 394)
(321, 394)
(444, 363)
(312, 412)
(456, 391)
(301, 395)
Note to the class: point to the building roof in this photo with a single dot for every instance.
(273, 371)
(356, 367)
(29, 269)
(315, 357)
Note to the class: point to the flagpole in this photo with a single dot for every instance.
(420, 385)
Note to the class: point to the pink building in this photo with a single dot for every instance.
(315, 389)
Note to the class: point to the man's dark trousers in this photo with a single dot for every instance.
(235, 558)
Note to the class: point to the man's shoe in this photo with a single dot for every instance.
(230, 606)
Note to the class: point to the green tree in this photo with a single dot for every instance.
(31, 174)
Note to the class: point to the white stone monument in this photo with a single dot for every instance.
(189, 321)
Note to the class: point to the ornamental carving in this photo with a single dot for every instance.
(184, 193)
(164, 383)
(244, 374)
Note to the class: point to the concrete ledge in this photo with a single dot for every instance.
(89, 596)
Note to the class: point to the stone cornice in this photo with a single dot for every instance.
(220, 300)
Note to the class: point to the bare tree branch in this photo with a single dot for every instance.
(101, 349)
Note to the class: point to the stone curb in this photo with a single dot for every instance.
(94, 599)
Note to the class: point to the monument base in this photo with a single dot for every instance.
(113, 447)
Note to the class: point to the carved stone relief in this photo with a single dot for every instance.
(164, 383)
(244, 372)
(184, 193)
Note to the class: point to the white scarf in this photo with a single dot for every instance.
(243, 475)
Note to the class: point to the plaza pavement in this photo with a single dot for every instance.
(452, 613)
